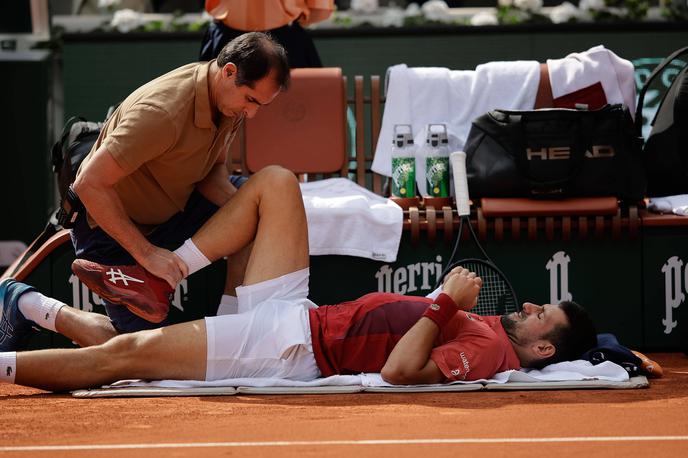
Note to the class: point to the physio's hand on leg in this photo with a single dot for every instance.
(164, 264)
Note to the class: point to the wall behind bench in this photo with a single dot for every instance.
(100, 69)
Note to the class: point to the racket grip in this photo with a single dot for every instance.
(458, 162)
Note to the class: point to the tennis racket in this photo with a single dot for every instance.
(497, 297)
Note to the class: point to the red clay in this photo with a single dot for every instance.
(31, 417)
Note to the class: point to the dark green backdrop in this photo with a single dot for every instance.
(623, 282)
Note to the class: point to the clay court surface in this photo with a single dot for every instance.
(586, 423)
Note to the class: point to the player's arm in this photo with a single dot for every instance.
(410, 363)
(95, 187)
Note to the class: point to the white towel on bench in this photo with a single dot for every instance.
(579, 70)
(421, 96)
(347, 219)
(677, 204)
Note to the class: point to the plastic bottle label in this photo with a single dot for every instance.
(403, 176)
(437, 176)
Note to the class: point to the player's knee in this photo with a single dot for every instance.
(277, 177)
(123, 350)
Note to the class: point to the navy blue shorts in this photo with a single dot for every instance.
(97, 246)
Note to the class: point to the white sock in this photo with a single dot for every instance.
(192, 256)
(8, 366)
(229, 305)
(40, 309)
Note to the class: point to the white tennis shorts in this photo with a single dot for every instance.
(271, 335)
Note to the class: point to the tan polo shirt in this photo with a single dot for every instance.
(164, 137)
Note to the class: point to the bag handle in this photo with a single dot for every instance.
(56, 158)
(577, 156)
(641, 95)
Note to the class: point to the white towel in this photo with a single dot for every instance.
(420, 96)
(347, 219)
(433, 95)
(334, 380)
(572, 370)
(565, 371)
(677, 204)
(598, 64)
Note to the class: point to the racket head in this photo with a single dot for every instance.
(497, 296)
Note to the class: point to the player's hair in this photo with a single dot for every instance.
(256, 54)
(572, 340)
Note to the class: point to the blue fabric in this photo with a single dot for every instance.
(124, 321)
(97, 246)
(609, 349)
(237, 180)
(301, 51)
(13, 325)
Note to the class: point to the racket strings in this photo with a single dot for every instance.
(496, 296)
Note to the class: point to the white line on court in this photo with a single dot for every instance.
(495, 440)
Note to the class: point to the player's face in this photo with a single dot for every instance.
(233, 100)
(533, 322)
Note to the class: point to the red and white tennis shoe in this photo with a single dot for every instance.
(141, 292)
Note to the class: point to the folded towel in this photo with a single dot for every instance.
(677, 204)
(573, 370)
(564, 371)
(334, 380)
(596, 65)
(347, 219)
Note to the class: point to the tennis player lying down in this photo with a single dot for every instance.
(278, 332)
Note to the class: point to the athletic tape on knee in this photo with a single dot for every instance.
(442, 310)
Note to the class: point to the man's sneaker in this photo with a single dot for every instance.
(13, 325)
(141, 292)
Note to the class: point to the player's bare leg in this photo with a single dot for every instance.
(84, 328)
(236, 269)
(22, 307)
(174, 352)
(267, 210)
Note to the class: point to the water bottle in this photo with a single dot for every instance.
(403, 162)
(436, 154)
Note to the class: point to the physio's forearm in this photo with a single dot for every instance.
(106, 208)
(216, 186)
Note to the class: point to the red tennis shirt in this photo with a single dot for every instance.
(358, 336)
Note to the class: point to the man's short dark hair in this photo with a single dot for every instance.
(570, 342)
(256, 54)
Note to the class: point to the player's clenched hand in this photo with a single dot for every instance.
(463, 286)
(164, 264)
